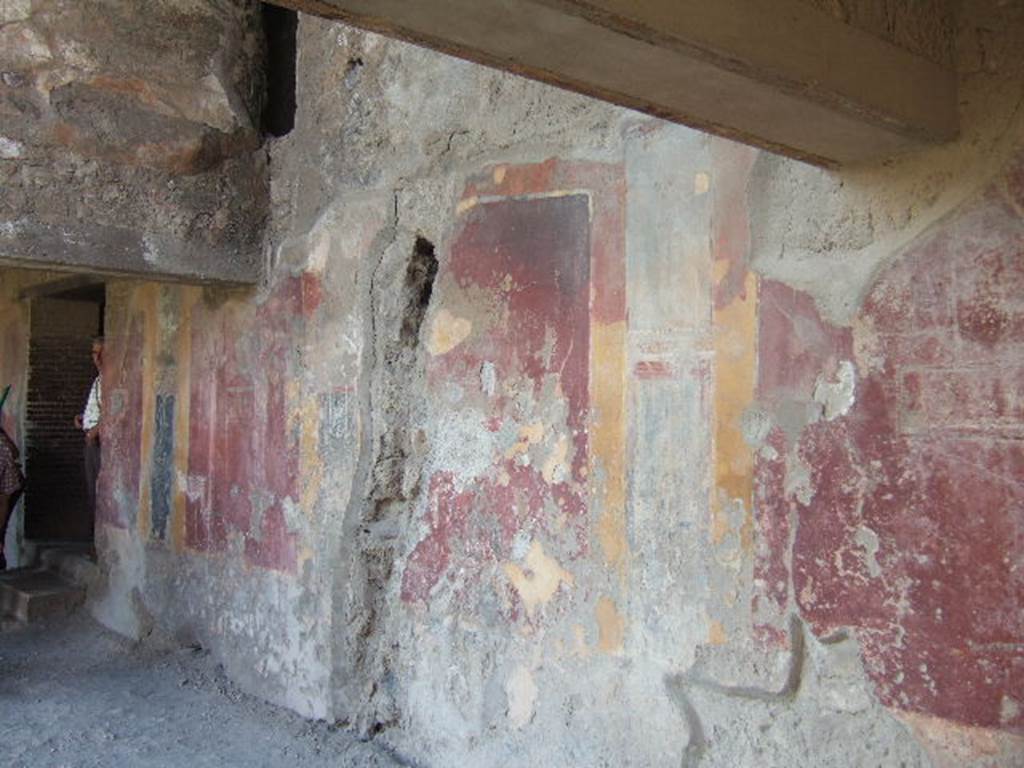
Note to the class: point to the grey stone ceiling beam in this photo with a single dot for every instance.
(781, 75)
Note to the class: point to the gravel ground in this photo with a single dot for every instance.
(75, 695)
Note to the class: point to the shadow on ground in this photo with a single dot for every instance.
(75, 695)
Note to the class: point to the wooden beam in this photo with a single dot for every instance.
(779, 75)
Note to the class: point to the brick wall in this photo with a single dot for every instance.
(60, 374)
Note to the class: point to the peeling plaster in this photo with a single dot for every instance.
(521, 691)
(837, 395)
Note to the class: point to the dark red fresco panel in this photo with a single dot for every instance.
(528, 262)
(241, 445)
(930, 460)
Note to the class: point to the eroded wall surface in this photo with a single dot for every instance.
(557, 435)
(128, 137)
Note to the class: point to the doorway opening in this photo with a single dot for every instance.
(65, 317)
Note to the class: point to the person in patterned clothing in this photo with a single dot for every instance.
(11, 484)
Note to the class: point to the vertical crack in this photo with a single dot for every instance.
(400, 285)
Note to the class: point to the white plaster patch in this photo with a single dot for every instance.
(521, 691)
(555, 468)
(77, 55)
(212, 106)
(837, 396)
(196, 487)
(150, 250)
(318, 254)
(294, 517)
(461, 445)
(836, 671)
(488, 378)
(756, 424)
(868, 539)
(798, 479)
(701, 183)
(1009, 710)
(10, 149)
(520, 546)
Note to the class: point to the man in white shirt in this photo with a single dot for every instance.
(89, 422)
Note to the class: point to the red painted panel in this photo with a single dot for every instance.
(795, 346)
(914, 533)
(653, 369)
(243, 452)
(731, 222)
(525, 263)
(117, 493)
(605, 187)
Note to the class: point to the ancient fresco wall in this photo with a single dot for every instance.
(897, 500)
(531, 449)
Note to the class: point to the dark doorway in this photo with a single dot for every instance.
(65, 317)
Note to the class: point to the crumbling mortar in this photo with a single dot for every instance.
(353, 604)
(387, 473)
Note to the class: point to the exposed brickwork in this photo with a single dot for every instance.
(60, 374)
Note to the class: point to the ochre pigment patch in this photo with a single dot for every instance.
(716, 633)
(311, 466)
(608, 437)
(538, 582)
(447, 331)
(611, 626)
(735, 347)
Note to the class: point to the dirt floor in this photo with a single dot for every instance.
(74, 695)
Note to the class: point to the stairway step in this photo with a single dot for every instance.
(77, 565)
(32, 594)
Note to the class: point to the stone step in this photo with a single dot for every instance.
(77, 565)
(35, 550)
(31, 594)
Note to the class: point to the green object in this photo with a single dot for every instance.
(3, 397)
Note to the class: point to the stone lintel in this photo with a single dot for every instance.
(106, 250)
(782, 75)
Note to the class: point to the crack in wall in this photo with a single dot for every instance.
(394, 303)
(677, 685)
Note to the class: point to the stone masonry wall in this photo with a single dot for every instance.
(128, 137)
